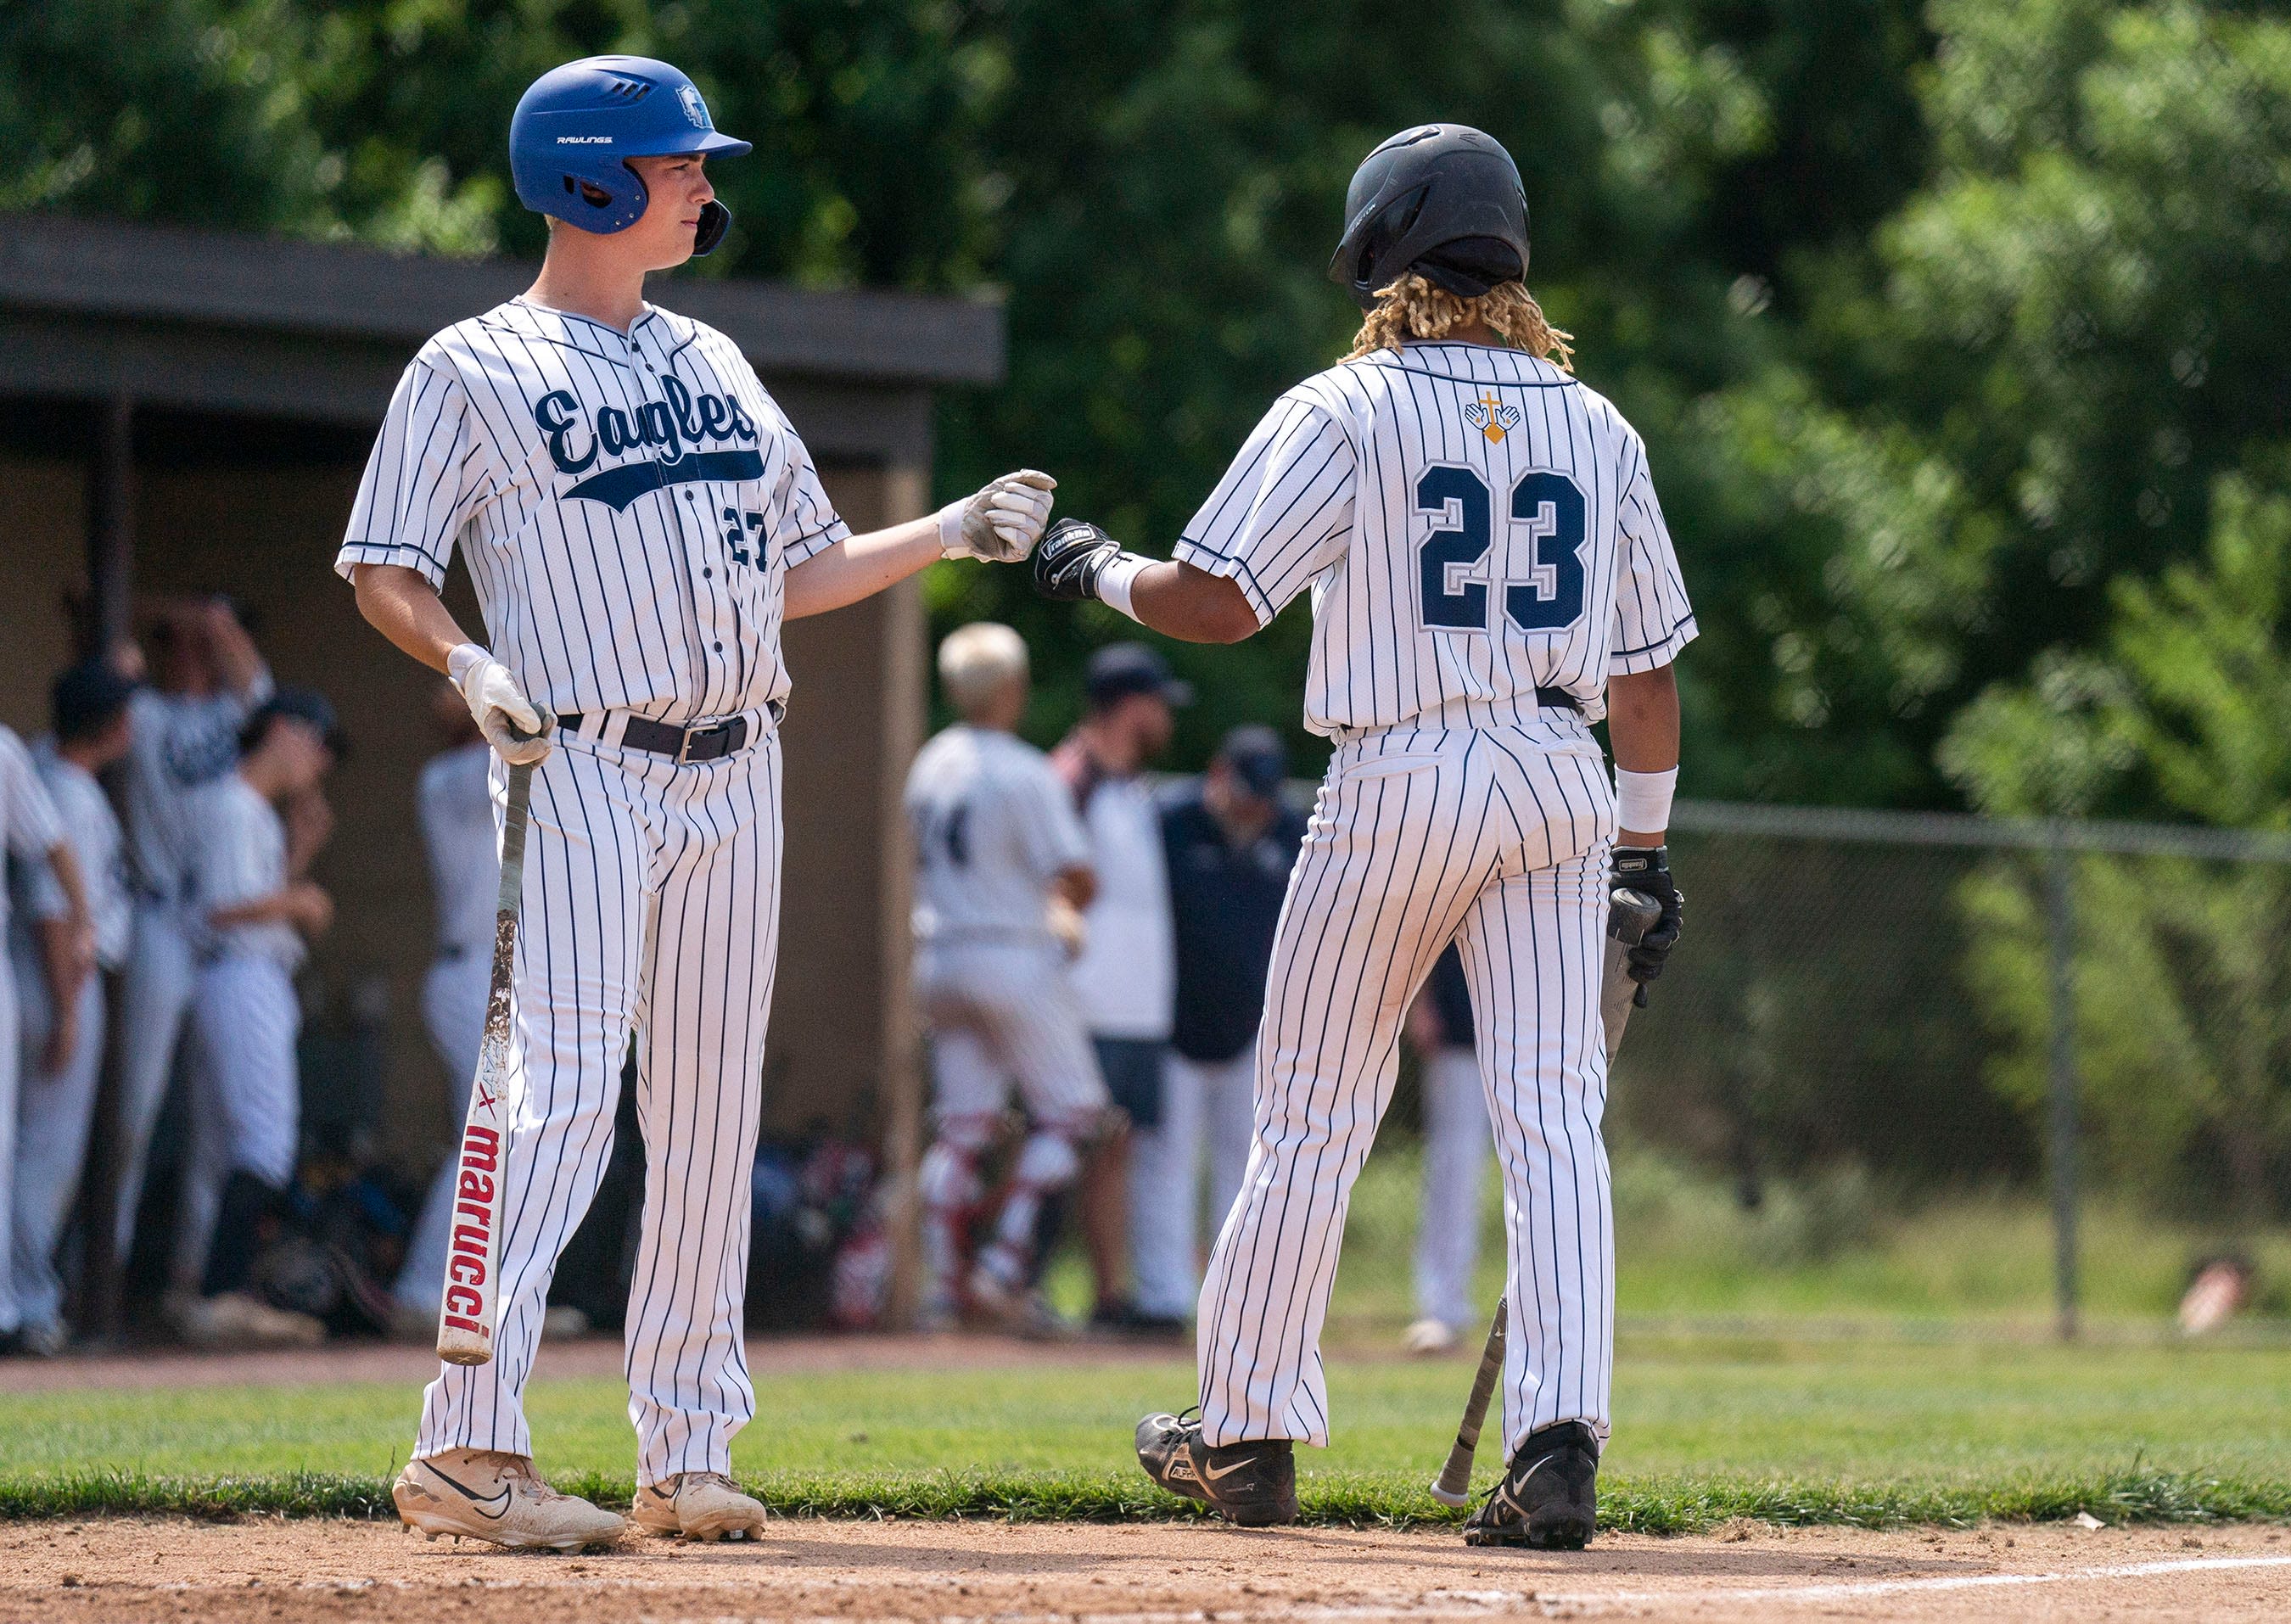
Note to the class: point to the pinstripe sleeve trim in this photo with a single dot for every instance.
(1203, 557)
(1653, 656)
(354, 553)
(817, 541)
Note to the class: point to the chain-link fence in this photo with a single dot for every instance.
(1945, 998)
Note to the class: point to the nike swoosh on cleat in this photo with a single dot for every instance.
(1214, 1476)
(478, 1503)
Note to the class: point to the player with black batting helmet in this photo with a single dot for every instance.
(1490, 575)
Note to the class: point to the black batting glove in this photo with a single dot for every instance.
(1646, 869)
(1070, 558)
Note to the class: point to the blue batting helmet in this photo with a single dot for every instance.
(576, 126)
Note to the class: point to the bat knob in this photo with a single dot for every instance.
(1450, 1498)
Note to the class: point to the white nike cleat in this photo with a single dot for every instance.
(491, 1495)
(698, 1506)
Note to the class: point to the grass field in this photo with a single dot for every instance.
(1863, 1428)
(1938, 1400)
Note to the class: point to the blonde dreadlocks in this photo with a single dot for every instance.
(1415, 308)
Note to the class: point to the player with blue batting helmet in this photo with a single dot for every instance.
(576, 126)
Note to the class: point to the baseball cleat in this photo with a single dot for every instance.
(491, 1495)
(236, 1319)
(697, 1506)
(1547, 1499)
(1021, 1310)
(1252, 1483)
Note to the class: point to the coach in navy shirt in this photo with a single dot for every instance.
(1229, 841)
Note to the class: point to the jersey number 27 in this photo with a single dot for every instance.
(1457, 500)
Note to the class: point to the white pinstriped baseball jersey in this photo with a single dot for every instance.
(180, 741)
(994, 826)
(239, 857)
(627, 506)
(30, 824)
(86, 820)
(1474, 523)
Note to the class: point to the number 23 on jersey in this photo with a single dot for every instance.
(1547, 505)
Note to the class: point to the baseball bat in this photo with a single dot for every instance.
(1453, 1486)
(1630, 915)
(472, 1303)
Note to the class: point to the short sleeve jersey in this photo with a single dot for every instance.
(993, 827)
(455, 800)
(93, 830)
(30, 825)
(178, 742)
(239, 857)
(1125, 977)
(627, 505)
(1473, 524)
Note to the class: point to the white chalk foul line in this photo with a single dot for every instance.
(1902, 1586)
(1429, 1609)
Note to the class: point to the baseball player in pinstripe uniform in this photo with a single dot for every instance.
(209, 678)
(32, 833)
(251, 914)
(1002, 870)
(63, 1032)
(1490, 574)
(638, 517)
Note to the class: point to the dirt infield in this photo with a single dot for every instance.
(954, 1573)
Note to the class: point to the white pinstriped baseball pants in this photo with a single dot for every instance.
(1499, 837)
(651, 903)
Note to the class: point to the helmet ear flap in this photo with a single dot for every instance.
(715, 220)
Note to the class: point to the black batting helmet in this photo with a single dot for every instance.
(1441, 199)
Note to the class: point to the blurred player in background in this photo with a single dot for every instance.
(1457, 1148)
(208, 678)
(998, 852)
(253, 913)
(32, 836)
(1229, 841)
(455, 801)
(62, 1059)
(1126, 973)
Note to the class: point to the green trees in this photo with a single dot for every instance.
(2183, 965)
(2025, 387)
(1958, 328)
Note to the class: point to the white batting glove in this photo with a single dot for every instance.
(502, 711)
(1002, 523)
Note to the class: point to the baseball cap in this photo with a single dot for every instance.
(1120, 670)
(304, 706)
(1257, 758)
(85, 697)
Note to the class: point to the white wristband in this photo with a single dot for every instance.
(1115, 580)
(458, 662)
(1643, 800)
